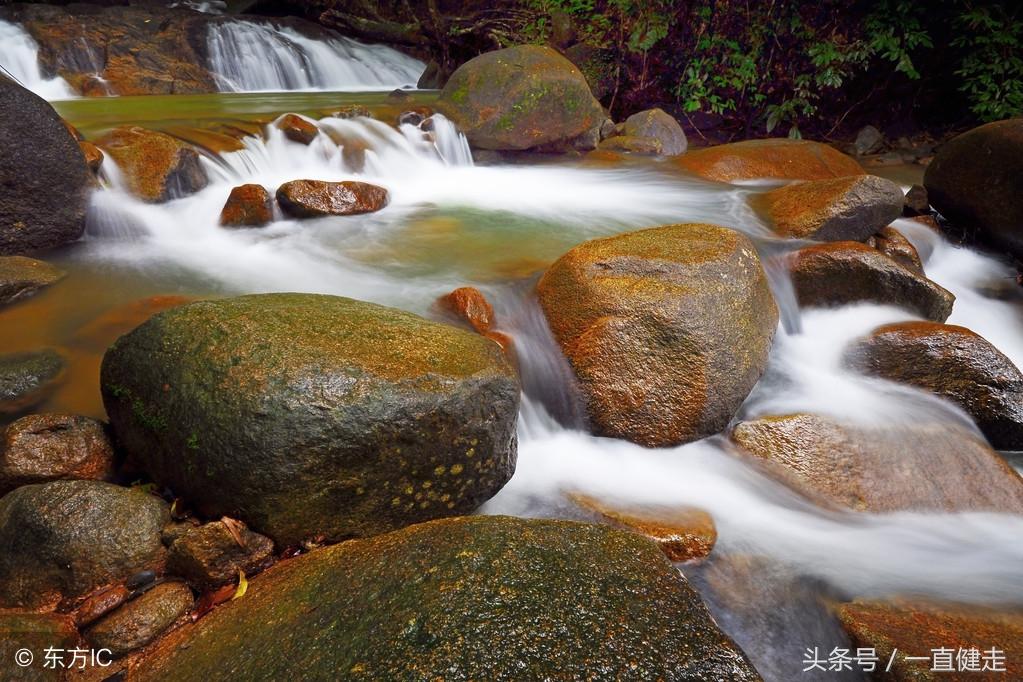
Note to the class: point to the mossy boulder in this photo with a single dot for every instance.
(20, 277)
(955, 363)
(474, 598)
(314, 416)
(852, 208)
(840, 273)
(46, 182)
(659, 125)
(976, 181)
(518, 98)
(49, 447)
(66, 538)
(918, 467)
(667, 329)
(156, 166)
(782, 159)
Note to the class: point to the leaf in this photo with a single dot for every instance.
(235, 528)
(243, 585)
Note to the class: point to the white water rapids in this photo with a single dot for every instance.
(19, 56)
(436, 189)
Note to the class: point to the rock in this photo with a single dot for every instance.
(93, 155)
(667, 329)
(141, 620)
(471, 306)
(156, 166)
(839, 273)
(849, 208)
(100, 603)
(473, 598)
(954, 363)
(65, 538)
(26, 379)
(247, 206)
(894, 244)
(647, 146)
(976, 180)
(916, 202)
(35, 632)
(307, 415)
(597, 66)
(431, 79)
(209, 555)
(523, 97)
(317, 198)
(296, 128)
(911, 631)
(20, 277)
(49, 447)
(45, 181)
(782, 159)
(683, 534)
(659, 125)
(918, 467)
(868, 141)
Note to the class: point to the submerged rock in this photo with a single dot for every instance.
(976, 181)
(660, 126)
(909, 633)
(297, 129)
(956, 364)
(26, 379)
(318, 198)
(518, 98)
(20, 277)
(849, 208)
(65, 538)
(839, 273)
(782, 159)
(247, 206)
(156, 166)
(49, 447)
(307, 415)
(46, 183)
(474, 598)
(918, 467)
(141, 620)
(894, 244)
(667, 329)
(212, 554)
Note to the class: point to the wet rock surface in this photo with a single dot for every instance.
(318, 198)
(212, 554)
(156, 166)
(21, 277)
(782, 159)
(28, 378)
(307, 415)
(48, 447)
(247, 206)
(658, 125)
(139, 621)
(468, 598)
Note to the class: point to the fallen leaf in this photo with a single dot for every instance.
(243, 585)
(235, 528)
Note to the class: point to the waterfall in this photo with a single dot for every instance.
(250, 57)
(19, 56)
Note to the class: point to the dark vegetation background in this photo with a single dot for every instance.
(747, 68)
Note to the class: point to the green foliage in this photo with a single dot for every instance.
(992, 69)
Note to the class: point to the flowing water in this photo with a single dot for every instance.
(19, 57)
(451, 223)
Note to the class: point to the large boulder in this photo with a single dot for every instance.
(852, 208)
(657, 124)
(522, 97)
(955, 363)
(920, 467)
(318, 198)
(909, 634)
(976, 181)
(314, 416)
(667, 329)
(20, 277)
(474, 598)
(49, 447)
(66, 538)
(839, 273)
(782, 159)
(46, 183)
(156, 166)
